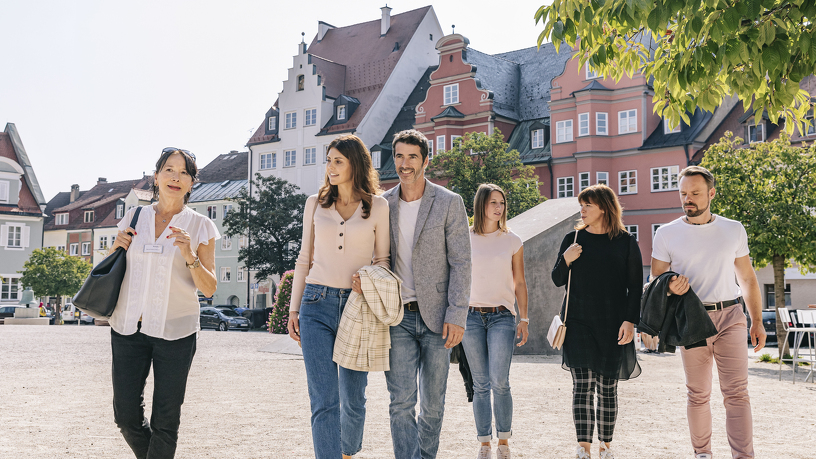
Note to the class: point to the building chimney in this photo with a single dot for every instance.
(233, 152)
(74, 193)
(101, 180)
(322, 28)
(385, 23)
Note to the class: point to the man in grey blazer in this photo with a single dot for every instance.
(430, 252)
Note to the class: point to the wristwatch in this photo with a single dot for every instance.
(194, 264)
(525, 319)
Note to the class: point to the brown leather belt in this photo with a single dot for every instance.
(488, 309)
(413, 306)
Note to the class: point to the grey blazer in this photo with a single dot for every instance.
(441, 255)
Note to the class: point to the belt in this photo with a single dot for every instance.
(488, 309)
(721, 305)
(413, 306)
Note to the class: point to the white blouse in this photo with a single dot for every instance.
(158, 287)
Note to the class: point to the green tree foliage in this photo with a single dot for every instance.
(770, 188)
(490, 162)
(279, 317)
(273, 218)
(51, 272)
(697, 51)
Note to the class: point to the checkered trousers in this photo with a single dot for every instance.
(585, 383)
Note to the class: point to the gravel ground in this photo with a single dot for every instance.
(245, 403)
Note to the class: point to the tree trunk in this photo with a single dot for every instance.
(58, 311)
(779, 298)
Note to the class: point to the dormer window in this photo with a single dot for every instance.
(120, 211)
(89, 216)
(375, 159)
(4, 191)
(273, 121)
(341, 112)
(61, 219)
(756, 133)
(591, 74)
(451, 92)
(300, 82)
(537, 138)
(668, 130)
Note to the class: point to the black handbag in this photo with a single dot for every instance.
(100, 292)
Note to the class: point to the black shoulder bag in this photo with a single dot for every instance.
(100, 292)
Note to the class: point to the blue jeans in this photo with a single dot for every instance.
(337, 397)
(488, 343)
(416, 351)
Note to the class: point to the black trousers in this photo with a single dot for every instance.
(132, 358)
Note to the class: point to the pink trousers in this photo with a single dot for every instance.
(729, 349)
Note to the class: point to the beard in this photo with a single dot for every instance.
(696, 212)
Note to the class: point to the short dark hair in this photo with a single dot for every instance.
(411, 137)
(189, 164)
(701, 171)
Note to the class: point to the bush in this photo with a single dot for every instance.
(279, 317)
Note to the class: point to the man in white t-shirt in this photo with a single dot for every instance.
(430, 252)
(710, 254)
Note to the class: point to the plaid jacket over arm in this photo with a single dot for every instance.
(363, 338)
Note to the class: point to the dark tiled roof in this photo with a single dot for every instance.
(102, 199)
(595, 85)
(260, 136)
(63, 198)
(229, 166)
(332, 75)
(687, 134)
(217, 191)
(499, 76)
(449, 112)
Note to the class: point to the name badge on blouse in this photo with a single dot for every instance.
(153, 248)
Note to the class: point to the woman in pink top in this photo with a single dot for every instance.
(497, 283)
(345, 227)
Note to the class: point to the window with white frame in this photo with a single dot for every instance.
(10, 288)
(242, 241)
(591, 73)
(633, 230)
(86, 248)
(451, 94)
(601, 123)
(627, 182)
(289, 158)
(61, 248)
(341, 112)
(583, 124)
(811, 123)
(273, 120)
(74, 249)
(563, 131)
(430, 148)
(325, 154)
(665, 178)
(537, 138)
(669, 130)
(453, 139)
(311, 117)
(212, 212)
(566, 187)
(225, 274)
(226, 242)
(602, 178)
(61, 219)
(227, 209)
(89, 216)
(13, 235)
(268, 161)
(4, 191)
(120, 211)
(440, 143)
(310, 156)
(241, 275)
(627, 121)
(291, 120)
(583, 181)
(375, 159)
(756, 133)
(103, 242)
(655, 226)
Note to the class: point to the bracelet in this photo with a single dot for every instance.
(525, 320)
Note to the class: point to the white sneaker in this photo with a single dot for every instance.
(702, 456)
(484, 452)
(580, 453)
(605, 452)
(503, 452)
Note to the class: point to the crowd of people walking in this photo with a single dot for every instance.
(392, 281)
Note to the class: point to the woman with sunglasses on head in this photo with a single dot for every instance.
(345, 227)
(497, 284)
(604, 305)
(170, 255)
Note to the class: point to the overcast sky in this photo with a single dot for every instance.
(98, 88)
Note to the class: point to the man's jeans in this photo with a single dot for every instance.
(488, 343)
(171, 360)
(416, 351)
(337, 397)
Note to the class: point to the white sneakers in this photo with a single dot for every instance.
(581, 453)
(606, 453)
(503, 452)
(484, 452)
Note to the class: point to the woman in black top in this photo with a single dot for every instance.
(604, 305)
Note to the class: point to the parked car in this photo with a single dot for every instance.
(769, 323)
(7, 311)
(222, 319)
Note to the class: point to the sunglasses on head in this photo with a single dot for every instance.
(174, 149)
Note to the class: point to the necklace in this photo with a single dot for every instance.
(700, 224)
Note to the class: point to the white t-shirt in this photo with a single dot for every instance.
(705, 254)
(492, 281)
(408, 212)
(158, 287)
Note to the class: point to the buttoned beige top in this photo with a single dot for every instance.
(341, 247)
